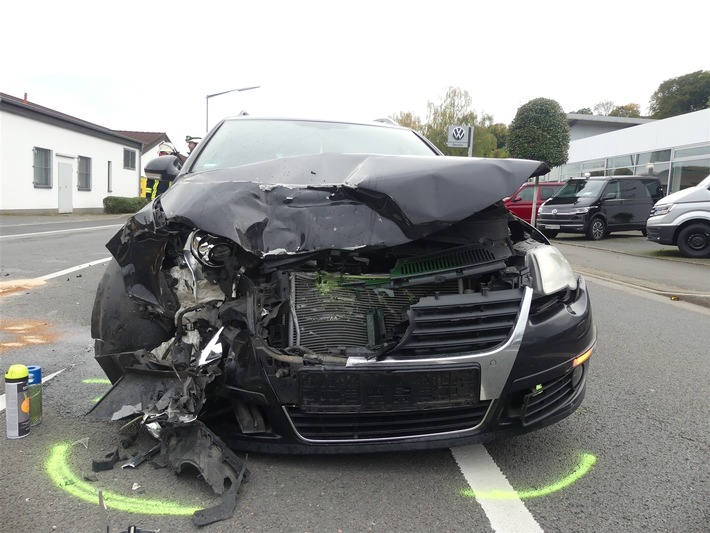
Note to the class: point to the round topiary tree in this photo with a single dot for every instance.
(540, 131)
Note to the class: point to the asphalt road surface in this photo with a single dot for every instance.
(632, 458)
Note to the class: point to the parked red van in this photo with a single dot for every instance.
(520, 203)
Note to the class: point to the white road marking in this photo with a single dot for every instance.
(71, 230)
(74, 269)
(44, 380)
(507, 515)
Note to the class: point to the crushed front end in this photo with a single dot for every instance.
(336, 318)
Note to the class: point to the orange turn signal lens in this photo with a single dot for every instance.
(582, 358)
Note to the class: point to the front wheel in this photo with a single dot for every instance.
(549, 233)
(694, 240)
(597, 229)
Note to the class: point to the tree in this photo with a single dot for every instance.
(540, 131)
(489, 139)
(408, 120)
(681, 95)
(605, 107)
(628, 110)
(455, 108)
(500, 131)
(583, 111)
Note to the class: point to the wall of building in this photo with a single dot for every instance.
(691, 128)
(19, 135)
(582, 131)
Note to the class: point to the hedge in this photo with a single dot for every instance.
(122, 204)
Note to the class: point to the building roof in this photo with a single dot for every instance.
(150, 139)
(24, 107)
(622, 122)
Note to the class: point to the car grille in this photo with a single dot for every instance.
(386, 425)
(461, 322)
(437, 318)
(553, 395)
(556, 219)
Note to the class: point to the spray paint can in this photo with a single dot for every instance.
(17, 402)
(34, 390)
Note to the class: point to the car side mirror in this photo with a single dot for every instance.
(517, 199)
(610, 196)
(164, 168)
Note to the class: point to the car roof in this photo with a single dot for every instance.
(381, 122)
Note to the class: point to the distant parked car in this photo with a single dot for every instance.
(683, 219)
(520, 203)
(599, 205)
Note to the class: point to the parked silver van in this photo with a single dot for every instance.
(683, 219)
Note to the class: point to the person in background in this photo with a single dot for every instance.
(155, 187)
(191, 143)
(165, 148)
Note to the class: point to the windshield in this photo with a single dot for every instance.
(245, 141)
(581, 189)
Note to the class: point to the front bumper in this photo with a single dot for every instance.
(527, 383)
(565, 224)
(661, 234)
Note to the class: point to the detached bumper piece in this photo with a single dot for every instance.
(195, 445)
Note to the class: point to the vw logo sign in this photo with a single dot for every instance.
(554, 211)
(458, 133)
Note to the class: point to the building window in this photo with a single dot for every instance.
(42, 167)
(648, 158)
(594, 165)
(692, 152)
(686, 174)
(84, 182)
(620, 161)
(110, 178)
(129, 159)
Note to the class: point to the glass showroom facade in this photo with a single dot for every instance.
(678, 168)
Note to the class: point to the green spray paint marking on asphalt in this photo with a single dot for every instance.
(59, 472)
(586, 462)
(96, 381)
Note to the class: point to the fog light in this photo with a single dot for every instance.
(577, 374)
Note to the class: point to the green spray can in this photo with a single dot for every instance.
(34, 390)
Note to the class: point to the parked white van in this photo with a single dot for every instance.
(683, 219)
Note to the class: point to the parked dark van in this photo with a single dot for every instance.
(599, 205)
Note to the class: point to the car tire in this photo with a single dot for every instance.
(549, 233)
(694, 240)
(119, 325)
(597, 229)
(644, 232)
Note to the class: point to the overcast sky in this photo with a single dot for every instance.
(148, 65)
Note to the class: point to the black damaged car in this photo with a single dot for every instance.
(314, 286)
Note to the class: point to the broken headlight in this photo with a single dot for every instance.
(210, 250)
(550, 270)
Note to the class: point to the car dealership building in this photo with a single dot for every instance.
(676, 149)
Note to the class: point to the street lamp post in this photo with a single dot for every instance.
(207, 102)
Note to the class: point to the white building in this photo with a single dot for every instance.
(54, 163)
(676, 149)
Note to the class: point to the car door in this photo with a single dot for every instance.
(631, 206)
(522, 208)
(612, 205)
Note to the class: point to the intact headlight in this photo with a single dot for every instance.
(550, 270)
(579, 211)
(662, 209)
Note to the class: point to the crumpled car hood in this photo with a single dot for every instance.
(342, 201)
